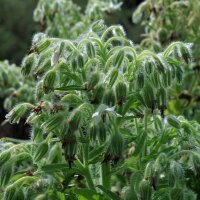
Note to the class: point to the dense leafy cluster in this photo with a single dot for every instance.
(100, 120)
(167, 21)
(66, 19)
(15, 88)
(99, 116)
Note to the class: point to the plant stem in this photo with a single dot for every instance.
(105, 175)
(86, 166)
(145, 119)
(86, 154)
(145, 128)
(89, 179)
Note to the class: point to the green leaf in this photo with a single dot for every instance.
(54, 168)
(88, 194)
(95, 154)
(70, 88)
(108, 193)
(74, 77)
(141, 142)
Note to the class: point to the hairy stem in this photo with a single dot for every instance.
(88, 176)
(105, 175)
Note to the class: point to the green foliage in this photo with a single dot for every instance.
(168, 21)
(99, 116)
(15, 88)
(76, 132)
(66, 19)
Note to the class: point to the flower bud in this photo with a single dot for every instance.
(145, 190)
(28, 64)
(138, 14)
(49, 81)
(69, 145)
(18, 112)
(42, 45)
(179, 74)
(148, 96)
(102, 132)
(109, 97)
(148, 172)
(160, 66)
(186, 54)
(61, 48)
(140, 80)
(75, 120)
(43, 67)
(113, 77)
(53, 123)
(36, 134)
(94, 79)
(116, 144)
(155, 79)
(39, 90)
(176, 170)
(156, 46)
(93, 131)
(74, 63)
(41, 151)
(80, 61)
(167, 79)
(128, 194)
(173, 121)
(158, 123)
(121, 92)
(23, 156)
(72, 100)
(98, 93)
(161, 98)
(118, 59)
(98, 26)
(187, 127)
(55, 154)
(149, 66)
(90, 50)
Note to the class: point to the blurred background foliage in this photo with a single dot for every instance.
(17, 25)
(16, 28)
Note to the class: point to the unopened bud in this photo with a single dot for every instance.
(41, 151)
(94, 79)
(90, 50)
(49, 81)
(121, 92)
(173, 121)
(42, 45)
(118, 59)
(28, 64)
(109, 97)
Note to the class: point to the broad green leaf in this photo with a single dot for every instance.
(108, 193)
(87, 194)
(70, 88)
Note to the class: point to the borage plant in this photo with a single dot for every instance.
(15, 88)
(67, 19)
(168, 21)
(99, 129)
